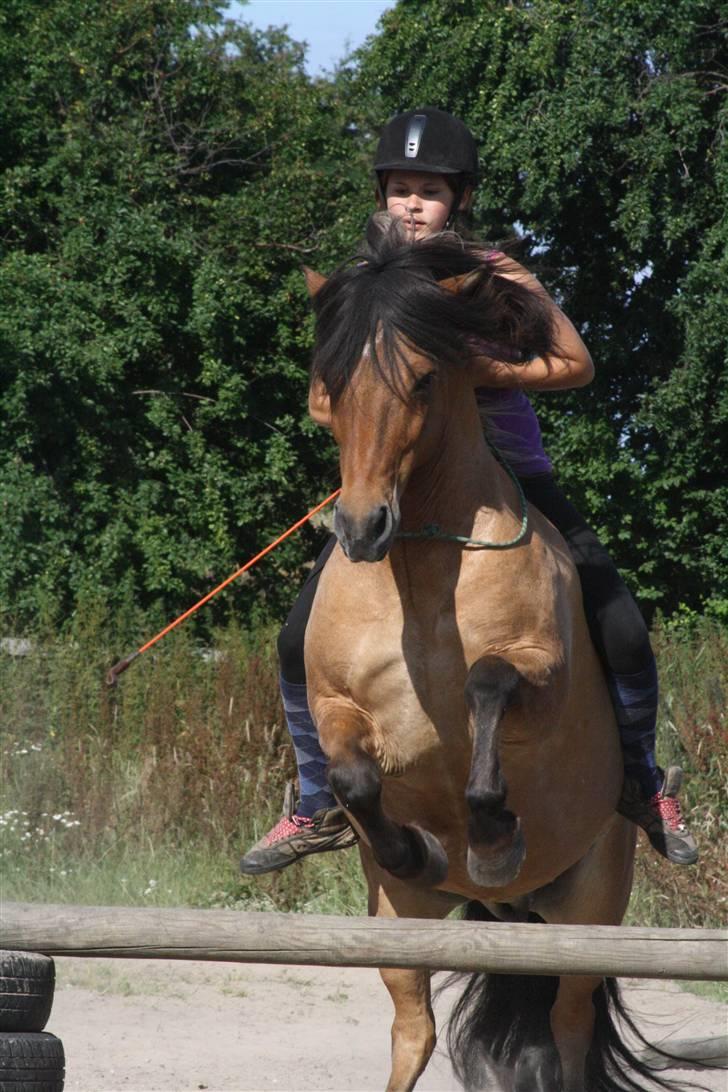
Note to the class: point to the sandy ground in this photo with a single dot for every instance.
(155, 1026)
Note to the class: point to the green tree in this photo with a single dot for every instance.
(602, 125)
(164, 175)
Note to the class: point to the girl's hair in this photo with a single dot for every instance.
(388, 295)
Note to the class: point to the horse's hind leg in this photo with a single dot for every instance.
(407, 852)
(413, 1028)
(594, 891)
(572, 1026)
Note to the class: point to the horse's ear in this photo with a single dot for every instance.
(314, 281)
(464, 282)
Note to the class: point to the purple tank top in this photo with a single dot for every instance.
(512, 426)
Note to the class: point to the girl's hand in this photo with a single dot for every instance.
(571, 366)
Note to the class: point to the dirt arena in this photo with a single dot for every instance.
(161, 1026)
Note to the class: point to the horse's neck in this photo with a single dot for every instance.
(461, 479)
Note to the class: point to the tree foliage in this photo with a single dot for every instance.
(163, 175)
(602, 126)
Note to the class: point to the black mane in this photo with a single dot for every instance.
(389, 294)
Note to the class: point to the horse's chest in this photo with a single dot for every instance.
(419, 664)
(405, 667)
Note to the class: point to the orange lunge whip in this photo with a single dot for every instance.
(122, 665)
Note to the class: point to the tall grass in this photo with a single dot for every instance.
(146, 794)
(692, 732)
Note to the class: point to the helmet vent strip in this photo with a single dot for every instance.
(412, 139)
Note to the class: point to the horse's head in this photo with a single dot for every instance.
(394, 337)
(386, 419)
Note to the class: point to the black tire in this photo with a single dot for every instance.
(27, 982)
(31, 1062)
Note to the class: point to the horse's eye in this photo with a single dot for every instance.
(423, 386)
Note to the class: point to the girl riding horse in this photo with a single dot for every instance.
(426, 168)
(451, 677)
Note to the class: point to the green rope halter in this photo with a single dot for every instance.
(432, 530)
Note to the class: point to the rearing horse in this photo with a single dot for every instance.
(468, 726)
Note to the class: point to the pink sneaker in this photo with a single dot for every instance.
(661, 817)
(295, 836)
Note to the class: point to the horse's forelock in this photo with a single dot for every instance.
(373, 308)
(389, 298)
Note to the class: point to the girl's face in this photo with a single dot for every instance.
(423, 201)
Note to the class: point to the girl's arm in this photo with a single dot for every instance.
(571, 367)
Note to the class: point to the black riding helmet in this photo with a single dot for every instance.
(427, 140)
(431, 140)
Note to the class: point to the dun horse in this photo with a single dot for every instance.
(457, 694)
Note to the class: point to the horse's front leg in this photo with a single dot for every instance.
(407, 852)
(413, 1028)
(495, 843)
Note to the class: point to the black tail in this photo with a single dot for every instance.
(611, 1066)
(500, 1024)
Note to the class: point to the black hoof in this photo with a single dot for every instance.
(427, 866)
(499, 869)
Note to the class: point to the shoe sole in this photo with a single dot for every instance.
(254, 869)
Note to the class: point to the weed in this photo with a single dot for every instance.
(693, 732)
(147, 794)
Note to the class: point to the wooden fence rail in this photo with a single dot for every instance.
(229, 935)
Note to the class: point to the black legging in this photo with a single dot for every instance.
(617, 628)
(290, 639)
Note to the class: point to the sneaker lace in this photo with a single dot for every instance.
(286, 827)
(668, 808)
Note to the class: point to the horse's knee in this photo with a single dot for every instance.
(356, 782)
(408, 852)
(491, 683)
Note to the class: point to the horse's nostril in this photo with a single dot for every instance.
(381, 526)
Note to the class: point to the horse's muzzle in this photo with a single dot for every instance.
(368, 537)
